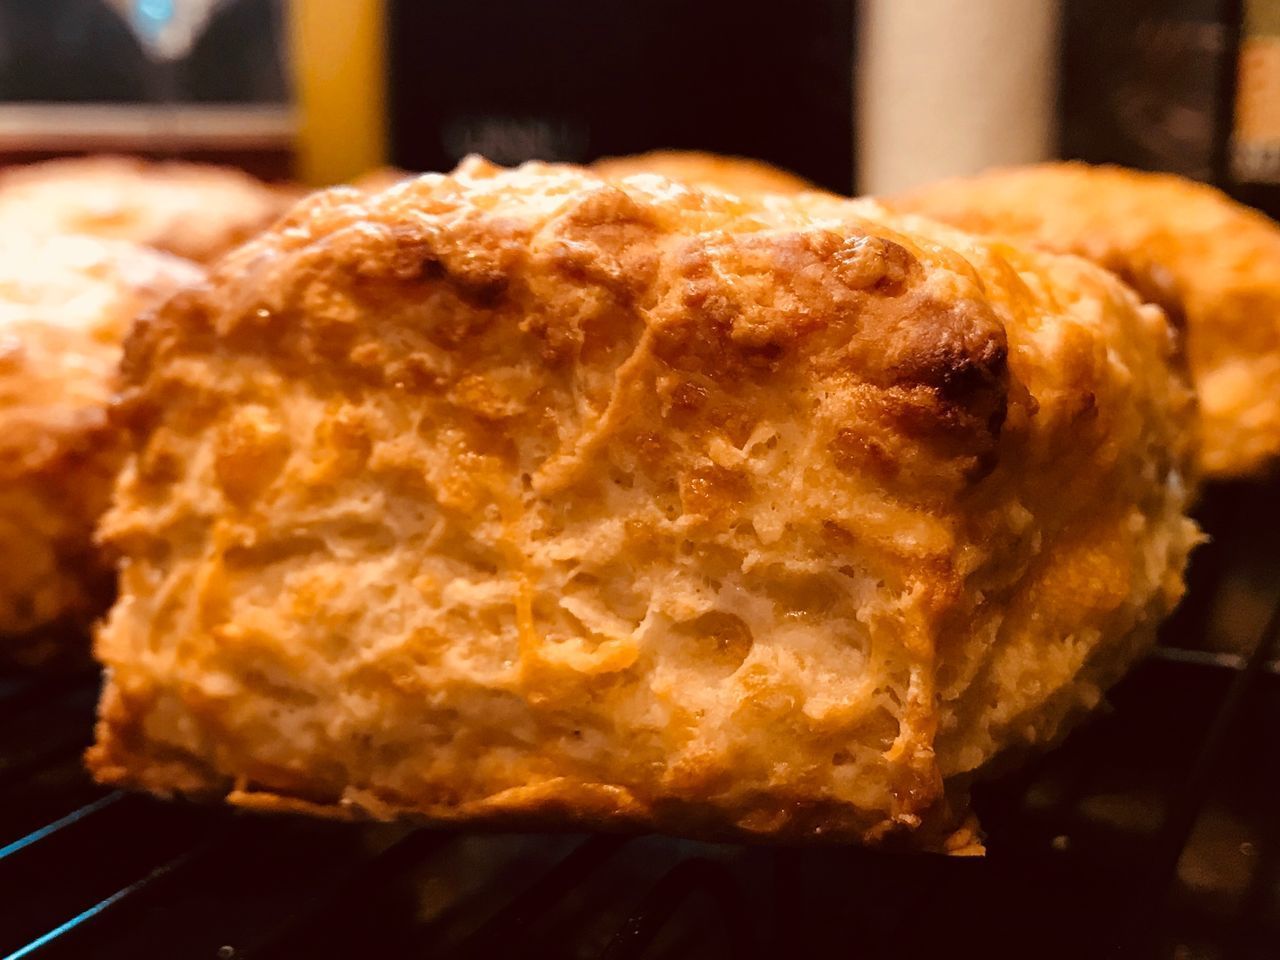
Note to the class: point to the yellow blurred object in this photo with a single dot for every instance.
(1256, 138)
(338, 60)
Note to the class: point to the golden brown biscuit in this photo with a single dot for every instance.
(522, 495)
(192, 210)
(1185, 246)
(734, 174)
(65, 303)
(380, 178)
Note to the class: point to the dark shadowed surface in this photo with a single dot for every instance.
(574, 80)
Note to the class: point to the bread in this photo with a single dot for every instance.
(192, 210)
(65, 303)
(1209, 261)
(732, 174)
(381, 178)
(521, 496)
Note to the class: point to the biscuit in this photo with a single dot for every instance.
(65, 303)
(1211, 263)
(380, 178)
(196, 211)
(522, 496)
(732, 174)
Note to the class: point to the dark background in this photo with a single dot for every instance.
(80, 51)
(1146, 83)
(579, 79)
(1150, 83)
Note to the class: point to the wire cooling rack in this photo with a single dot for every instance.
(1153, 831)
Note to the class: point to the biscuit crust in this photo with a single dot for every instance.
(196, 211)
(65, 303)
(733, 174)
(1211, 263)
(525, 496)
(380, 178)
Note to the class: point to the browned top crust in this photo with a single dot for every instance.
(1207, 260)
(65, 303)
(733, 174)
(197, 211)
(519, 494)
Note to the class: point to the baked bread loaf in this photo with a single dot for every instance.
(522, 495)
(65, 303)
(733, 174)
(1211, 263)
(197, 211)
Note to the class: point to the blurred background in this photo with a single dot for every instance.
(866, 95)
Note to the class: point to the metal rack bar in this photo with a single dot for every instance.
(353, 891)
(131, 893)
(679, 884)
(513, 920)
(72, 818)
(1182, 813)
